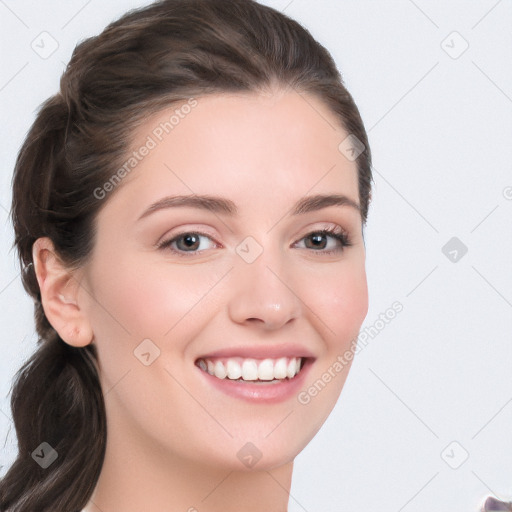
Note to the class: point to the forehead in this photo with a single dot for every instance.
(279, 146)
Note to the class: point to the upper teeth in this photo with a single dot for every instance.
(252, 369)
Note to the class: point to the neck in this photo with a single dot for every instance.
(136, 477)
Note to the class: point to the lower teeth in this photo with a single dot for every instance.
(257, 380)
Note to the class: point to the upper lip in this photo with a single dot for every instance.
(261, 352)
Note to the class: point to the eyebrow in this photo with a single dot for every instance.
(226, 206)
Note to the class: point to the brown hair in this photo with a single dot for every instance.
(150, 58)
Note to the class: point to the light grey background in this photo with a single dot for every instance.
(434, 385)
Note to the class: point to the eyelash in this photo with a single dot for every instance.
(335, 233)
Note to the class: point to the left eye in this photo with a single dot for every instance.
(187, 244)
(340, 238)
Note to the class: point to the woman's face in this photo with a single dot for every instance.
(170, 284)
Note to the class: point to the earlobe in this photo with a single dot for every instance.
(59, 295)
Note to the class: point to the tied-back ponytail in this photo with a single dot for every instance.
(58, 398)
(57, 404)
(148, 60)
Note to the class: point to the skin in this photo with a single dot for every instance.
(173, 440)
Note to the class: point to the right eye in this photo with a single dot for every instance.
(188, 240)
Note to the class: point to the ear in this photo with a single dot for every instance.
(59, 295)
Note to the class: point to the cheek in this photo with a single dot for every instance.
(339, 306)
(341, 303)
(137, 299)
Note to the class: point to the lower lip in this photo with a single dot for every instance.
(268, 392)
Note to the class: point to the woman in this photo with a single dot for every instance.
(189, 214)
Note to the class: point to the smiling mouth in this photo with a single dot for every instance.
(253, 370)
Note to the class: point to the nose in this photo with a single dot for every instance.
(264, 293)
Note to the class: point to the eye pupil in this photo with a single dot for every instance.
(317, 239)
(190, 239)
